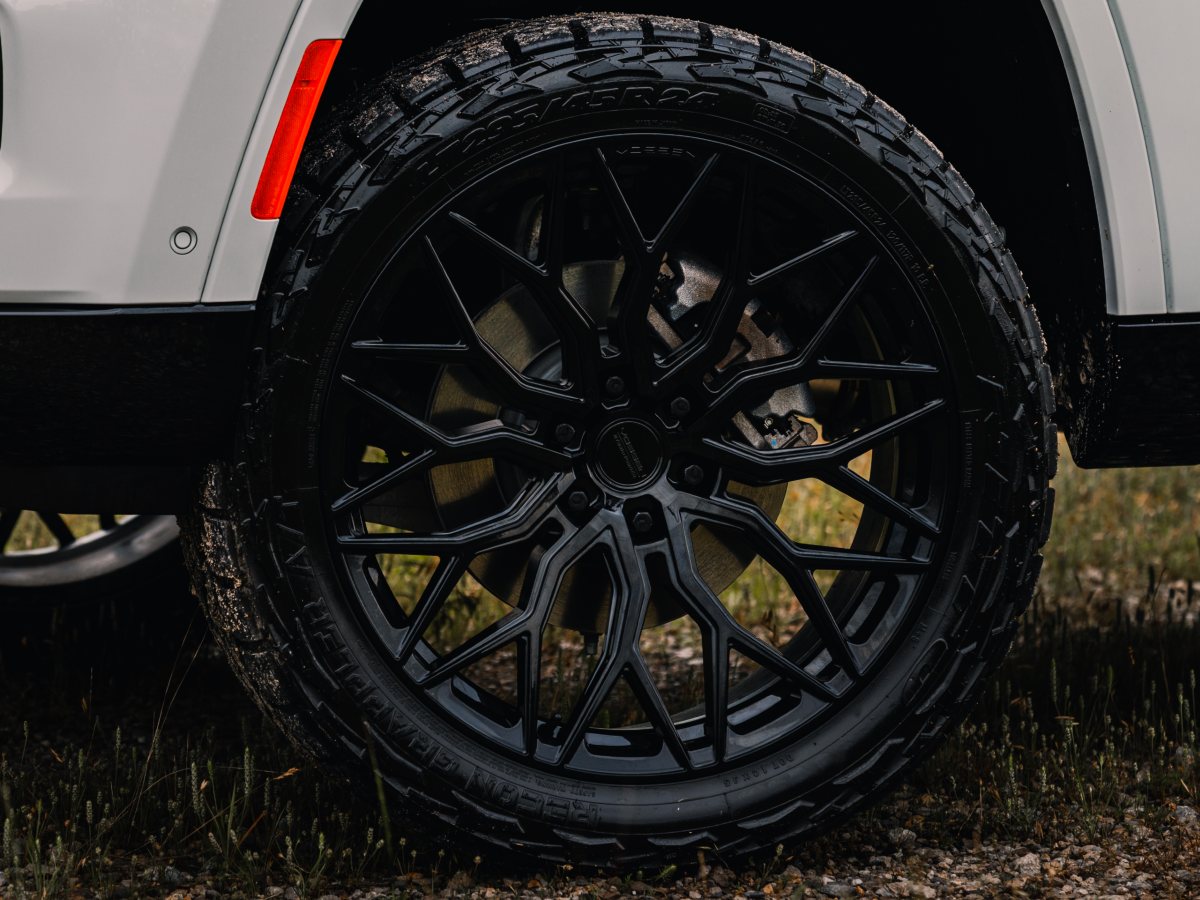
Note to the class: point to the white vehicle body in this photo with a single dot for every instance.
(178, 103)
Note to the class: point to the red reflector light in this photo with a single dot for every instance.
(292, 129)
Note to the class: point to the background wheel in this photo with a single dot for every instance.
(50, 558)
(651, 451)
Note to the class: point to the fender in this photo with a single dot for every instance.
(162, 117)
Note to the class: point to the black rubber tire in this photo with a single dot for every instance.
(265, 574)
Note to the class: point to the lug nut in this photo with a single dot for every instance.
(615, 385)
(577, 501)
(642, 522)
(680, 407)
(564, 433)
(693, 475)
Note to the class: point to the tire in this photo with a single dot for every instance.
(76, 561)
(419, 188)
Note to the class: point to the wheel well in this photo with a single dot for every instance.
(992, 92)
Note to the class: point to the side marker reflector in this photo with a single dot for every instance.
(292, 129)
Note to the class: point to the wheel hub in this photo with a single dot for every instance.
(623, 457)
(628, 454)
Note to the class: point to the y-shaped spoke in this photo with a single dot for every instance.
(643, 260)
(763, 378)
(476, 442)
(544, 281)
(796, 562)
(776, 466)
(474, 350)
(723, 632)
(726, 306)
(516, 522)
(622, 656)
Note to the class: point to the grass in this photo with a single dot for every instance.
(130, 764)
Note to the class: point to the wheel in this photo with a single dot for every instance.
(650, 451)
(49, 558)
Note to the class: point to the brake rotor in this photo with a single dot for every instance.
(516, 328)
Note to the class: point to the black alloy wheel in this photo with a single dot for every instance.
(663, 473)
(49, 558)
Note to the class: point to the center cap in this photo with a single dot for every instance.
(628, 453)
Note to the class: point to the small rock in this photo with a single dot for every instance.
(721, 876)
(837, 889)
(902, 837)
(460, 881)
(1028, 865)
(1185, 815)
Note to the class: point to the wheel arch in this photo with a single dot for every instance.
(1003, 109)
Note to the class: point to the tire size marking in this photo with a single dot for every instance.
(759, 772)
(903, 251)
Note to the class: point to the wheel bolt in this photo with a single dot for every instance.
(615, 385)
(642, 522)
(693, 475)
(577, 501)
(680, 407)
(564, 433)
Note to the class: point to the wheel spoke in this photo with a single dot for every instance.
(784, 554)
(683, 208)
(108, 521)
(772, 275)
(444, 354)
(643, 259)
(526, 622)
(58, 527)
(858, 488)
(483, 440)
(523, 516)
(529, 683)
(647, 694)
(627, 613)
(727, 305)
(866, 371)
(433, 598)
(577, 331)
(514, 625)
(776, 466)
(416, 462)
(519, 390)
(633, 240)
(710, 613)
(763, 378)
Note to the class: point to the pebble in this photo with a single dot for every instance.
(1185, 815)
(1028, 865)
